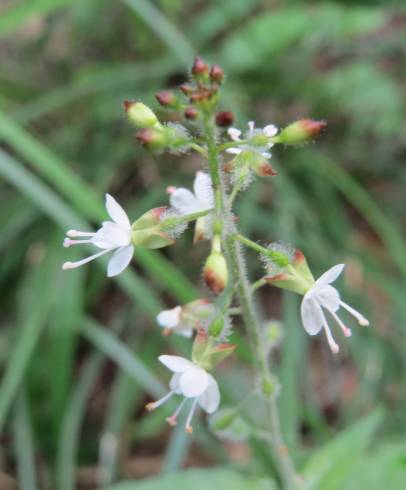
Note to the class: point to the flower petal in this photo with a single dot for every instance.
(328, 297)
(185, 332)
(176, 364)
(194, 382)
(203, 190)
(117, 213)
(234, 151)
(270, 130)
(234, 133)
(312, 315)
(169, 318)
(330, 275)
(174, 383)
(184, 201)
(209, 400)
(111, 235)
(120, 260)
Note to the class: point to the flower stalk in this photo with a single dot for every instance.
(238, 275)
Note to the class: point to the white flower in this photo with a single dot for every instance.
(268, 131)
(113, 235)
(322, 296)
(192, 382)
(171, 320)
(186, 202)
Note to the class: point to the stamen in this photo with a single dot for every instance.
(74, 265)
(153, 405)
(356, 314)
(188, 426)
(76, 233)
(170, 189)
(331, 342)
(172, 419)
(346, 331)
(68, 242)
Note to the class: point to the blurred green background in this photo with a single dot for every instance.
(78, 351)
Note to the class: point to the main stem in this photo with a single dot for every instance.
(238, 274)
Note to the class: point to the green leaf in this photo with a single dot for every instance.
(328, 468)
(197, 479)
(383, 468)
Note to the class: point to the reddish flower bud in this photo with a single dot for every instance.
(199, 67)
(151, 138)
(300, 131)
(186, 88)
(215, 270)
(166, 99)
(224, 119)
(191, 112)
(216, 74)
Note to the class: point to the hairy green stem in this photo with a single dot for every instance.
(238, 275)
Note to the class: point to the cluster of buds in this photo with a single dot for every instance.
(151, 133)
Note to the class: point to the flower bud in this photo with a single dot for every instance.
(166, 98)
(224, 119)
(207, 353)
(191, 112)
(199, 68)
(215, 270)
(186, 88)
(141, 115)
(294, 275)
(261, 166)
(300, 132)
(153, 139)
(147, 231)
(216, 74)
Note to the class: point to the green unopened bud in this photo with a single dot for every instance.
(151, 138)
(215, 270)
(292, 274)
(273, 334)
(300, 132)
(270, 386)
(141, 115)
(147, 231)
